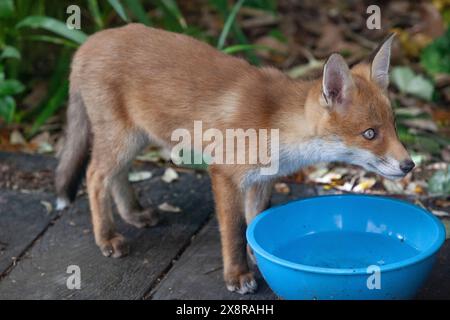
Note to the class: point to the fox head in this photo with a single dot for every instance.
(360, 116)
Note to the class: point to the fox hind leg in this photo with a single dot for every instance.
(98, 178)
(128, 205)
(123, 194)
(107, 180)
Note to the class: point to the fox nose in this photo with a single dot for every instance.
(407, 165)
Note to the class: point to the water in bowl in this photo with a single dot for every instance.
(344, 249)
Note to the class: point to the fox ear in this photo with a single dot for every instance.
(337, 81)
(379, 71)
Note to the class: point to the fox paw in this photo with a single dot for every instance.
(143, 219)
(241, 283)
(115, 247)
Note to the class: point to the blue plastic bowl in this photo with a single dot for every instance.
(345, 247)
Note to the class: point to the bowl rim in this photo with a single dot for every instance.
(347, 271)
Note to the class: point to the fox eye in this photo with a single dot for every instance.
(369, 134)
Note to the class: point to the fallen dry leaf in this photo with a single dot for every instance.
(394, 187)
(42, 143)
(422, 124)
(348, 185)
(445, 153)
(431, 22)
(419, 203)
(329, 177)
(280, 49)
(139, 176)
(282, 187)
(441, 116)
(168, 207)
(318, 172)
(442, 203)
(47, 205)
(440, 213)
(169, 175)
(412, 43)
(410, 111)
(416, 187)
(151, 156)
(364, 184)
(16, 138)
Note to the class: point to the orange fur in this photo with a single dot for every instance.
(139, 84)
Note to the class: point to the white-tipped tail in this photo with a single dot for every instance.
(61, 204)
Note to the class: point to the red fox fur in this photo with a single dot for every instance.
(134, 85)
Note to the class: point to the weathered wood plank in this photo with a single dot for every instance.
(41, 274)
(198, 272)
(28, 162)
(22, 218)
(438, 285)
(26, 172)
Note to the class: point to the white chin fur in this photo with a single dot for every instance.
(388, 168)
(61, 204)
(392, 177)
(329, 150)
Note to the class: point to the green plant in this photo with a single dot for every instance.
(26, 25)
(415, 84)
(17, 18)
(232, 27)
(8, 87)
(435, 58)
(439, 183)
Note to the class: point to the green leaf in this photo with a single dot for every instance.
(95, 12)
(171, 7)
(277, 34)
(53, 25)
(408, 82)
(404, 135)
(7, 108)
(228, 24)
(52, 39)
(55, 102)
(401, 76)
(138, 10)
(55, 97)
(117, 5)
(247, 47)
(427, 144)
(436, 56)
(11, 87)
(439, 183)
(222, 7)
(6, 8)
(10, 52)
(268, 5)
(421, 87)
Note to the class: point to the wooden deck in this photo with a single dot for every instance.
(178, 259)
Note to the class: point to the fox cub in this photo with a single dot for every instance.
(135, 85)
